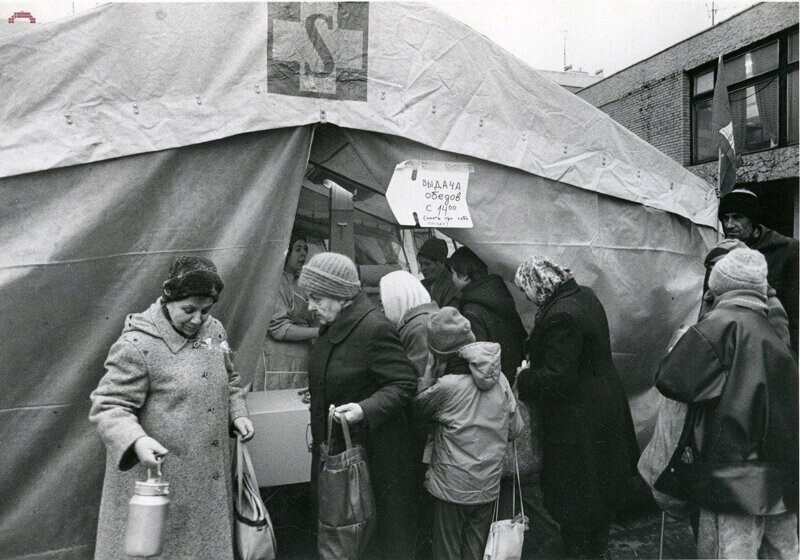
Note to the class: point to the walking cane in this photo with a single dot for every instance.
(661, 541)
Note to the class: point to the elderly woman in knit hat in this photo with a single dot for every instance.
(775, 312)
(170, 391)
(733, 369)
(589, 445)
(359, 365)
(284, 359)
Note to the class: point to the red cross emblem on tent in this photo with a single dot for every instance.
(318, 49)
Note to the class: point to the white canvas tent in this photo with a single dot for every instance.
(137, 132)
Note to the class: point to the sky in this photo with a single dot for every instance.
(600, 34)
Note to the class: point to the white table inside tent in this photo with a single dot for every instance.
(279, 451)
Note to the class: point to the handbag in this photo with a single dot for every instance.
(657, 454)
(346, 504)
(672, 480)
(254, 535)
(529, 442)
(507, 535)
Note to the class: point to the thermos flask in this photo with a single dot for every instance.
(147, 514)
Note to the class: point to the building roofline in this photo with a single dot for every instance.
(689, 38)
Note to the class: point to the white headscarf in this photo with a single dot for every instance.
(401, 292)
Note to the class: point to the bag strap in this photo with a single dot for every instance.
(345, 429)
(239, 471)
(519, 484)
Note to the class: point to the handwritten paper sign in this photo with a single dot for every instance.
(430, 194)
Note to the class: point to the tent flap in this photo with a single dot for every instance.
(84, 246)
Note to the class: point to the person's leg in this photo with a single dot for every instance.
(475, 531)
(543, 538)
(448, 521)
(724, 535)
(780, 536)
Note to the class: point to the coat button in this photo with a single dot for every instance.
(212, 410)
(215, 443)
(215, 476)
(204, 375)
(196, 344)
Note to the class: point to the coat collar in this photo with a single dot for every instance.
(748, 299)
(174, 341)
(349, 318)
(565, 289)
(423, 309)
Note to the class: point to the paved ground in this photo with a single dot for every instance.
(634, 537)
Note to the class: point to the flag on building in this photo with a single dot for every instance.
(722, 127)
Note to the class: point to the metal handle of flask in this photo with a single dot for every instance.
(158, 470)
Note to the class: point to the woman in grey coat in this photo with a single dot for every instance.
(170, 388)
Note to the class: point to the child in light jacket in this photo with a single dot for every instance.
(470, 402)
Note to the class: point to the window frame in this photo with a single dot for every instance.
(781, 72)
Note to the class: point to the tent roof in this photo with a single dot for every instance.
(133, 78)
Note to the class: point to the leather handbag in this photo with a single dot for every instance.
(672, 480)
(254, 535)
(528, 442)
(506, 536)
(347, 515)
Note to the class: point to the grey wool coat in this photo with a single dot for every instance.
(185, 394)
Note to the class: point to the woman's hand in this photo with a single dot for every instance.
(149, 452)
(351, 411)
(244, 426)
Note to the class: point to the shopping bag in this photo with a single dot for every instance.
(658, 452)
(506, 536)
(254, 535)
(346, 504)
(529, 442)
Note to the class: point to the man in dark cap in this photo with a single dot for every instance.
(432, 257)
(740, 213)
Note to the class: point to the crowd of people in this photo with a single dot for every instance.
(431, 385)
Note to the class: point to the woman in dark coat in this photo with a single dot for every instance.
(358, 365)
(589, 445)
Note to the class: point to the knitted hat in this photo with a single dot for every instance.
(721, 249)
(741, 201)
(332, 275)
(741, 269)
(192, 276)
(401, 292)
(434, 249)
(448, 331)
(539, 277)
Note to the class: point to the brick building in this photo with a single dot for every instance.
(666, 100)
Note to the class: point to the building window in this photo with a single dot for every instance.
(763, 95)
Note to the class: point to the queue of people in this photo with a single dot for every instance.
(425, 384)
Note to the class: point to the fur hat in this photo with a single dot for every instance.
(741, 201)
(401, 292)
(332, 275)
(434, 249)
(192, 276)
(741, 269)
(448, 331)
